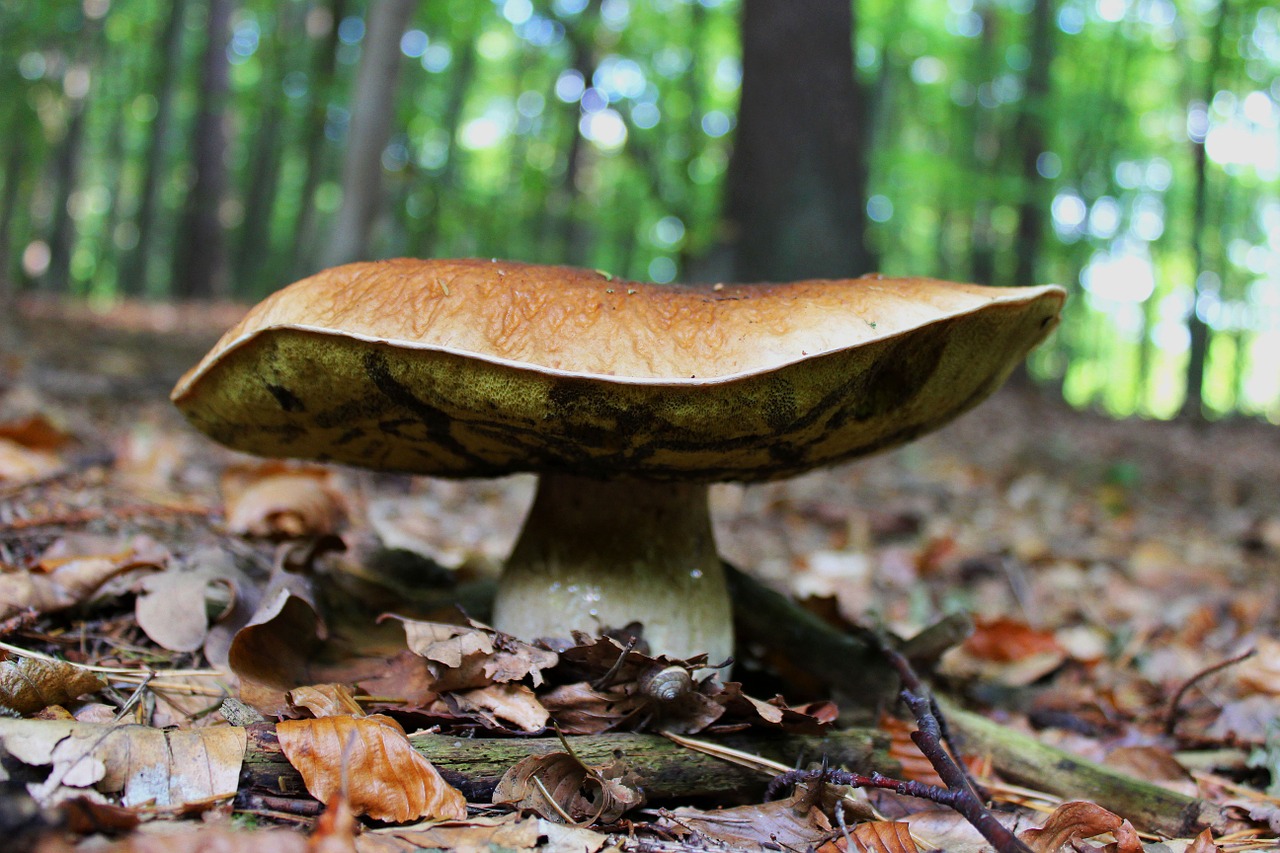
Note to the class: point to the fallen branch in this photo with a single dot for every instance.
(770, 618)
(665, 770)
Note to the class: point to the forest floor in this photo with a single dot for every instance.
(1122, 579)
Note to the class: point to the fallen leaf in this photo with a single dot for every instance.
(276, 650)
(791, 823)
(1260, 672)
(386, 778)
(162, 837)
(1071, 822)
(274, 500)
(1007, 640)
(20, 464)
(514, 703)
(34, 432)
(486, 833)
(559, 787)
(884, 836)
(475, 656)
(580, 709)
(29, 684)
(147, 765)
(63, 580)
(335, 830)
(326, 700)
(173, 606)
(1202, 843)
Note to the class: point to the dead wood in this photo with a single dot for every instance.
(665, 770)
(767, 617)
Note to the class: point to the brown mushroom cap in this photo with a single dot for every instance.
(477, 368)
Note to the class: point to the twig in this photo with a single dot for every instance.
(1171, 715)
(135, 672)
(959, 794)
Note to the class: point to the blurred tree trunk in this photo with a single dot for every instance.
(134, 267)
(1030, 132)
(314, 141)
(1193, 402)
(13, 168)
(1030, 141)
(798, 175)
(425, 238)
(372, 108)
(573, 238)
(77, 84)
(200, 254)
(254, 258)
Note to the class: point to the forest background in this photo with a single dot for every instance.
(1127, 149)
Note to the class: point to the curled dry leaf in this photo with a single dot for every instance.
(791, 823)
(514, 703)
(558, 786)
(274, 500)
(29, 684)
(386, 778)
(326, 700)
(64, 579)
(476, 656)
(1202, 843)
(1072, 822)
(173, 606)
(146, 765)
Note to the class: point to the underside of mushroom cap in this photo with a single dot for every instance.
(474, 368)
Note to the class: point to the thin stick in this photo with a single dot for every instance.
(1171, 715)
(138, 672)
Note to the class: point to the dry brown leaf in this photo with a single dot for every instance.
(165, 837)
(388, 780)
(275, 651)
(35, 432)
(884, 836)
(326, 700)
(19, 464)
(1260, 673)
(172, 607)
(475, 656)
(1007, 640)
(791, 823)
(1202, 843)
(514, 703)
(335, 830)
(273, 500)
(557, 785)
(580, 709)
(1069, 823)
(147, 765)
(29, 684)
(484, 834)
(65, 582)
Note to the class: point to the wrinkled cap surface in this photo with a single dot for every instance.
(478, 368)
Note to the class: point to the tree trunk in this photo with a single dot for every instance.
(1031, 142)
(14, 162)
(798, 175)
(200, 257)
(1193, 402)
(314, 143)
(134, 268)
(373, 105)
(66, 164)
(425, 238)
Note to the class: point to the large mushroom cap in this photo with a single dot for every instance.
(474, 367)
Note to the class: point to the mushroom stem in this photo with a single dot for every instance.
(597, 554)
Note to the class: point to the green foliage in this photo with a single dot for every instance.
(495, 151)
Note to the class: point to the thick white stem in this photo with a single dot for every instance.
(596, 554)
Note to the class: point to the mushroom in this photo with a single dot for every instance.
(628, 399)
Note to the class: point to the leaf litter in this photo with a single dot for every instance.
(1103, 563)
